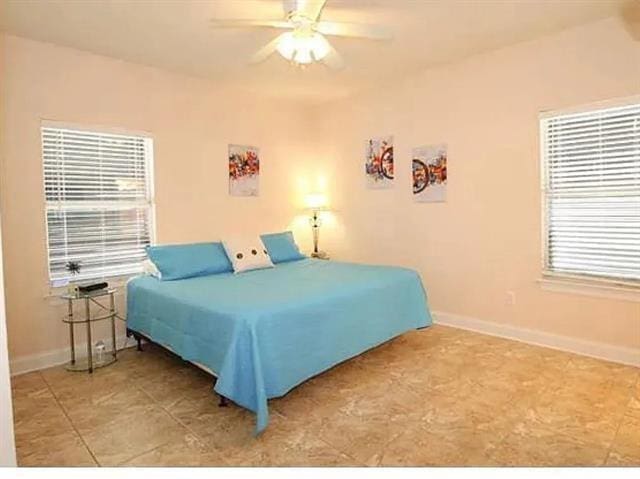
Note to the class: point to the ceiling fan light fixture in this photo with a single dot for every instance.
(303, 48)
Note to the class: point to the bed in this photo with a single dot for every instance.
(265, 331)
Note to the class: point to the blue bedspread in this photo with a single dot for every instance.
(264, 332)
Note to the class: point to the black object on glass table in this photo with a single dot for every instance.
(89, 288)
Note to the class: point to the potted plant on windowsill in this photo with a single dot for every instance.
(73, 267)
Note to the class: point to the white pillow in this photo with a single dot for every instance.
(247, 253)
(149, 268)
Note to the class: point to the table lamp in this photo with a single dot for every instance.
(315, 203)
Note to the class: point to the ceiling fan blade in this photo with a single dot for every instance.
(309, 8)
(231, 23)
(333, 59)
(359, 30)
(266, 51)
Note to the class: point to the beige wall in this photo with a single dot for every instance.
(191, 121)
(485, 240)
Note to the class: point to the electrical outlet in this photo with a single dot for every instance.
(511, 298)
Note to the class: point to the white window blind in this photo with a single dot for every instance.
(592, 193)
(99, 205)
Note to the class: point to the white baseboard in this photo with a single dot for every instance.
(618, 354)
(35, 362)
(592, 349)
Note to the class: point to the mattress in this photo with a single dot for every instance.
(264, 332)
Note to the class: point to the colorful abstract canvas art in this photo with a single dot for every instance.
(429, 168)
(379, 162)
(244, 170)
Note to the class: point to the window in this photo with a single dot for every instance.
(99, 202)
(591, 191)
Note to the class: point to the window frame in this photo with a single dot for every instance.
(552, 280)
(56, 285)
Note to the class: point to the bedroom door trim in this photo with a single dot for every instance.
(7, 439)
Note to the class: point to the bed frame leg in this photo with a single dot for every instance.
(137, 337)
(223, 401)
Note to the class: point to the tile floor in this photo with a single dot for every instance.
(440, 396)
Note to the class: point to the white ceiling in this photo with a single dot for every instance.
(175, 35)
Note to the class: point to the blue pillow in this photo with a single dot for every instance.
(282, 247)
(189, 260)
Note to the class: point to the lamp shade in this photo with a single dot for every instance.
(315, 201)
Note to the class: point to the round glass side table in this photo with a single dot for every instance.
(91, 361)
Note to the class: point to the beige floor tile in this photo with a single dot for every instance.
(419, 343)
(128, 436)
(345, 376)
(574, 417)
(582, 393)
(605, 373)
(219, 427)
(345, 382)
(634, 402)
(36, 401)
(357, 437)
(388, 356)
(439, 396)
(430, 335)
(440, 376)
(46, 420)
(448, 414)
(297, 404)
(152, 360)
(537, 446)
(75, 386)
(53, 449)
(524, 374)
(502, 384)
(187, 451)
(26, 385)
(94, 411)
(450, 432)
(618, 460)
(627, 440)
(364, 426)
(37, 415)
(519, 350)
(286, 443)
(169, 386)
(484, 358)
(420, 447)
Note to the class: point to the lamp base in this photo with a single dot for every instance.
(320, 255)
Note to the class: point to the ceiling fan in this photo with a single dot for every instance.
(304, 41)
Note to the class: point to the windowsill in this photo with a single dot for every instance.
(594, 288)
